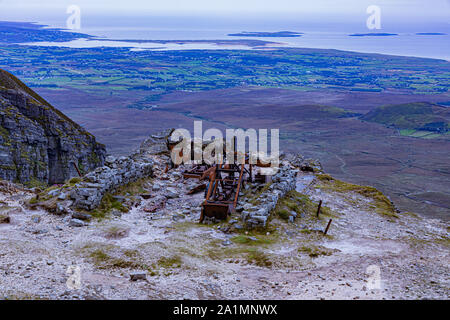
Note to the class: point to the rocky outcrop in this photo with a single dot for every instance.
(38, 142)
(117, 172)
(305, 164)
(87, 192)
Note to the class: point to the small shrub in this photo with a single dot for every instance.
(259, 258)
(315, 251)
(283, 214)
(73, 181)
(116, 232)
(107, 204)
(172, 262)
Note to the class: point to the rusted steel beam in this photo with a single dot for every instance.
(78, 170)
(211, 172)
(197, 188)
(238, 186)
(210, 188)
(197, 172)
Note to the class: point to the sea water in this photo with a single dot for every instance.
(321, 33)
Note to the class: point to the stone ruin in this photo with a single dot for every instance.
(282, 182)
(87, 194)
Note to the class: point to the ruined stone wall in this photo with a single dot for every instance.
(282, 182)
(88, 194)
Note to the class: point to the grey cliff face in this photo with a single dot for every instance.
(38, 142)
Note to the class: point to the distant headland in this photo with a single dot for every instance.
(431, 34)
(278, 34)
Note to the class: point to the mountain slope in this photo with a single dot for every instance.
(38, 143)
(417, 116)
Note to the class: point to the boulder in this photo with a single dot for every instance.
(4, 218)
(77, 223)
(81, 216)
(138, 276)
(171, 193)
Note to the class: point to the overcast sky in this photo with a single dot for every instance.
(398, 7)
(419, 15)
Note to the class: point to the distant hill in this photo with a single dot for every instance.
(21, 32)
(375, 34)
(38, 143)
(412, 116)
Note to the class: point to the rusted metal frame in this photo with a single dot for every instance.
(213, 207)
(202, 214)
(218, 202)
(222, 195)
(217, 210)
(197, 172)
(211, 184)
(197, 188)
(215, 187)
(191, 175)
(238, 186)
(78, 170)
(209, 172)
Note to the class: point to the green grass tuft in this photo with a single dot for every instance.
(316, 251)
(382, 204)
(171, 262)
(258, 258)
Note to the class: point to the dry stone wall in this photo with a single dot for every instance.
(282, 182)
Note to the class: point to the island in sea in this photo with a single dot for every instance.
(431, 34)
(278, 34)
(375, 34)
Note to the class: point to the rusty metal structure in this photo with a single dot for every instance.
(225, 184)
(197, 171)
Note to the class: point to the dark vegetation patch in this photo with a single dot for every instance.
(251, 240)
(107, 204)
(132, 188)
(258, 258)
(112, 257)
(105, 256)
(170, 262)
(414, 116)
(315, 251)
(299, 203)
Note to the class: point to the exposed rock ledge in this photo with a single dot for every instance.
(87, 192)
(38, 143)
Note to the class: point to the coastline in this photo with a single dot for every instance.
(410, 44)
